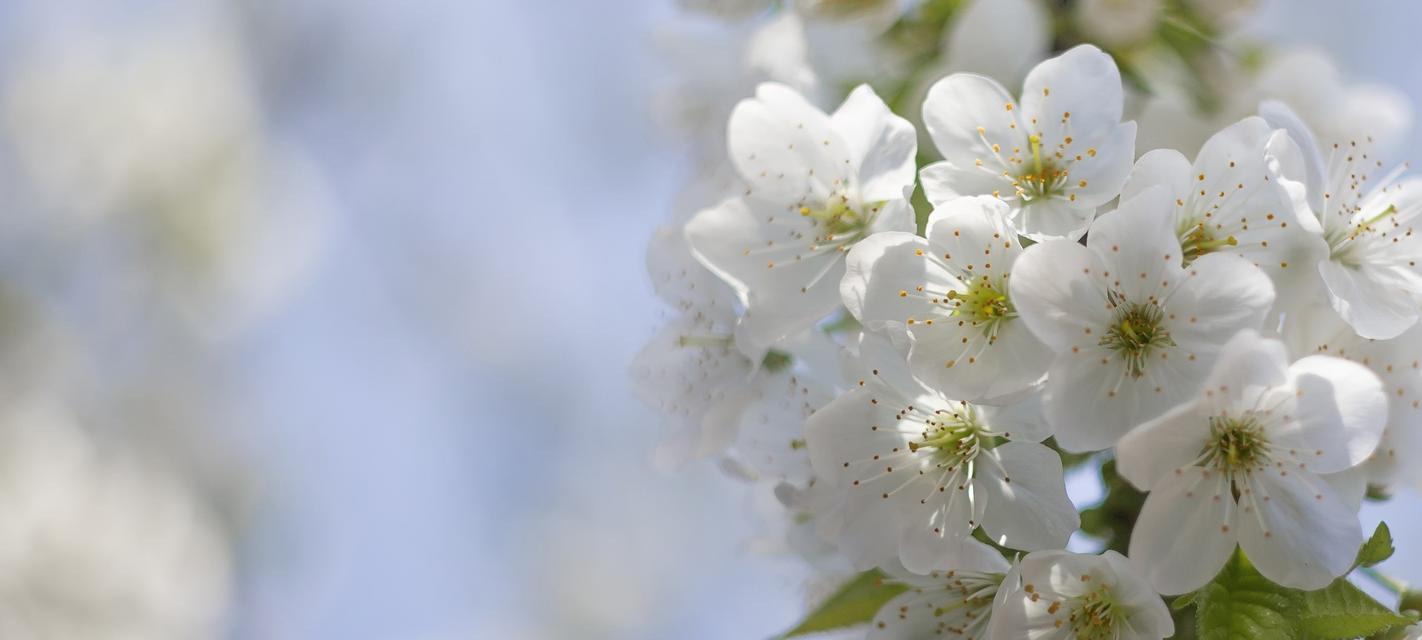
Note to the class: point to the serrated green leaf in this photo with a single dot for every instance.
(1183, 601)
(854, 603)
(1342, 610)
(1377, 548)
(1240, 603)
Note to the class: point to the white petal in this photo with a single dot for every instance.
(944, 182)
(785, 148)
(1146, 617)
(1148, 454)
(1053, 218)
(1166, 168)
(1248, 366)
(1370, 299)
(1295, 529)
(1082, 82)
(1093, 401)
(962, 363)
(1138, 241)
(1096, 179)
(1027, 504)
(1340, 414)
(1186, 530)
(1058, 293)
(788, 284)
(1221, 295)
(882, 275)
(954, 111)
(882, 145)
(1001, 39)
(1281, 116)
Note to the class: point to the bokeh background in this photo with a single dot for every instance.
(342, 293)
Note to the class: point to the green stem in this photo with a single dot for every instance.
(1393, 585)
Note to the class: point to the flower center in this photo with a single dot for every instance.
(837, 218)
(1196, 240)
(1137, 331)
(954, 436)
(1094, 617)
(1340, 239)
(982, 303)
(1041, 178)
(1236, 443)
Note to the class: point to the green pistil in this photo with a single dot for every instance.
(982, 303)
(1368, 224)
(1044, 180)
(952, 435)
(775, 360)
(1137, 332)
(1094, 617)
(837, 218)
(1196, 240)
(1236, 444)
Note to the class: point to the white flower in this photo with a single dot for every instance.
(1058, 594)
(1001, 39)
(956, 603)
(1133, 331)
(1118, 23)
(919, 472)
(1371, 271)
(817, 185)
(1055, 157)
(1240, 463)
(951, 292)
(1231, 200)
(691, 371)
(1397, 362)
(100, 542)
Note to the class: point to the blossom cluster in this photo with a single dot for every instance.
(908, 350)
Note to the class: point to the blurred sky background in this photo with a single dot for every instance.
(441, 439)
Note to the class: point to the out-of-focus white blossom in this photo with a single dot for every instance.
(100, 542)
(1118, 23)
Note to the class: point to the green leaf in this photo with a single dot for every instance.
(854, 603)
(1240, 603)
(1342, 610)
(1183, 601)
(1376, 549)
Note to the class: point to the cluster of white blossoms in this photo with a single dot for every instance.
(1236, 324)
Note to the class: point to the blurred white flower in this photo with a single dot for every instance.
(818, 184)
(1240, 463)
(1001, 39)
(145, 148)
(101, 543)
(919, 472)
(1118, 23)
(1337, 112)
(951, 293)
(1058, 594)
(1133, 331)
(1370, 271)
(1054, 158)
(709, 82)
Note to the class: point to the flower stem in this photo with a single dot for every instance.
(1383, 580)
